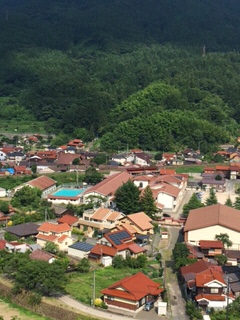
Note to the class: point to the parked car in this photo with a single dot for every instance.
(149, 305)
(166, 215)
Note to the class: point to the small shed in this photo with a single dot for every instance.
(3, 192)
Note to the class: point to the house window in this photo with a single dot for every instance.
(214, 290)
(110, 298)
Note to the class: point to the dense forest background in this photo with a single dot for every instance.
(156, 74)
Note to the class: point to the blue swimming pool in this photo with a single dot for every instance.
(68, 192)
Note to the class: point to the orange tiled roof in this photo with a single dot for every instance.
(210, 297)
(62, 238)
(114, 216)
(68, 219)
(49, 238)
(135, 248)
(207, 276)
(100, 214)
(133, 288)
(52, 227)
(141, 220)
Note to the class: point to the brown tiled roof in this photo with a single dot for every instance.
(52, 227)
(208, 244)
(222, 168)
(164, 171)
(214, 215)
(66, 158)
(68, 219)
(195, 267)
(100, 250)
(42, 182)
(41, 255)
(2, 244)
(133, 288)
(165, 188)
(110, 184)
(141, 220)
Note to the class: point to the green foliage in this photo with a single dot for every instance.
(127, 198)
(51, 247)
(4, 206)
(148, 203)
(40, 276)
(26, 196)
(10, 237)
(224, 237)
(193, 203)
(212, 199)
(84, 265)
(92, 176)
(237, 203)
(221, 259)
(228, 202)
(180, 255)
(192, 311)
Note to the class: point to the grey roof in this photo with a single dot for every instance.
(24, 229)
(82, 246)
(235, 286)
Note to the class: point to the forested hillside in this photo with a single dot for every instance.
(131, 72)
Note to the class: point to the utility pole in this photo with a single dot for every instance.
(94, 287)
(204, 51)
(228, 289)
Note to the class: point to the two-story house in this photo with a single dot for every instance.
(59, 234)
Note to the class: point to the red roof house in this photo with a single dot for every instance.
(132, 292)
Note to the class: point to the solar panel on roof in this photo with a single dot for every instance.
(118, 237)
(83, 246)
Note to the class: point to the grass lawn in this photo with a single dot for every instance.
(190, 169)
(80, 286)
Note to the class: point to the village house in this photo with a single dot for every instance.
(207, 222)
(131, 292)
(80, 250)
(137, 224)
(42, 255)
(106, 189)
(100, 219)
(59, 234)
(44, 183)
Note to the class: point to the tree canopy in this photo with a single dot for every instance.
(193, 203)
(127, 198)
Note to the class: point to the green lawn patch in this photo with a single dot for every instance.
(80, 286)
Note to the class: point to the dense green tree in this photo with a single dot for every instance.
(180, 255)
(76, 161)
(224, 237)
(228, 202)
(84, 265)
(4, 206)
(193, 203)
(118, 262)
(41, 276)
(212, 199)
(237, 203)
(92, 176)
(127, 198)
(147, 201)
(27, 196)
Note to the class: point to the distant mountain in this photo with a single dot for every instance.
(105, 67)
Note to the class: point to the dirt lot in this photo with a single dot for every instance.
(7, 312)
(221, 196)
